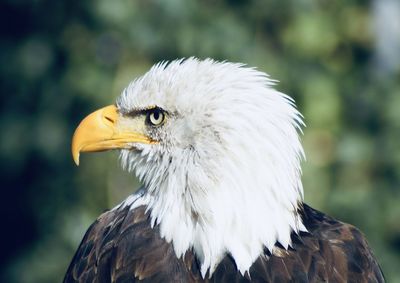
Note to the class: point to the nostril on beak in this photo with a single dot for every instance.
(109, 119)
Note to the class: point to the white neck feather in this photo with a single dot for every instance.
(234, 191)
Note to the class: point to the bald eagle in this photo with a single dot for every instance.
(217, 150)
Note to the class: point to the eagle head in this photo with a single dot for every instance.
(217, 150)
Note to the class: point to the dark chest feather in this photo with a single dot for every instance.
(122, 247)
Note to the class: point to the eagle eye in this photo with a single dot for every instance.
(155, 117)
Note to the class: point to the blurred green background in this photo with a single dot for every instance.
(60, 60)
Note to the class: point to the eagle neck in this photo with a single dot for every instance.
(215, 215)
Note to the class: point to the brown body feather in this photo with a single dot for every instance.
(121, 246)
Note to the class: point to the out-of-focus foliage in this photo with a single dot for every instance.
(60, 60)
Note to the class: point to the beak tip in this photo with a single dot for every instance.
(75, 156)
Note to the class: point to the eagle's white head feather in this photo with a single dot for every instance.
(225, 175)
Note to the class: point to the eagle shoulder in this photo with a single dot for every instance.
(121, 246)
(335, 251)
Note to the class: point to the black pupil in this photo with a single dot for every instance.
(156, 115)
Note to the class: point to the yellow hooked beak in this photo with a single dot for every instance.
(102, 130)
